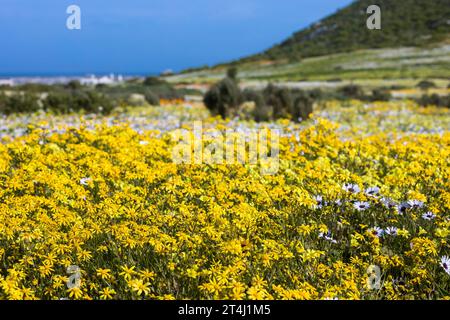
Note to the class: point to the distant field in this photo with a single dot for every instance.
(369, 67)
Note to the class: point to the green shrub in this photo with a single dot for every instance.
(261, 111)
(397, 87)
(317, 94)
(302, 107)
(280, 99)
(151, 98)
(73, 85)
(334, 80)
(99, 103)
(381, 95)
(81, 100)
(232, 73)
(4, 101)
(100, 86)
(351, 91)
(212, 99)
(249, 95)
(78, 100)
(223, 98)
(59, 102)
(18, 103)
(153, 81)
(426, 84)
(435, 100)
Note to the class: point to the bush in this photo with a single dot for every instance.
(77, 100)
(4, 102)
(223, 98)
(59, 102)
(272, 103)
(101, 86)
(397, 87)
(167, 92)
(249, 95)
(19, 102)
(426, 84)
(280, 99)
(302, 107)
(73, 85)
(154, 81)
(232, 73)
(97, 103)
(334, 80)
(81, 100)
(164, 90)
(317, 94)
(212, 99)
(151, 98)
(351, 91)
(435, 100)
(381, 95)
(261, 112)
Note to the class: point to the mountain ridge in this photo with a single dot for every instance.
(404, 23)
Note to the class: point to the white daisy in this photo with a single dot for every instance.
(398, 282)
(391, 231)
(85, 181)
(320, 202)
(353, 188)
(429, 215)
(373, 191)
(388, 203)
(377, 232)
(327, 237)
(415, 204)
(361, 206)
(445, 263)
(402, 207)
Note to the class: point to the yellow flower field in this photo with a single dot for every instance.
(360, 209)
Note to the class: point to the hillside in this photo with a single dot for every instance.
(414, 43)
(373, 67)
(404, 23)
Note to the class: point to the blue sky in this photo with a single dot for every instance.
(144, 36)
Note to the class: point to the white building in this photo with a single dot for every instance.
(93, 80)
(6, 82)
